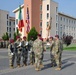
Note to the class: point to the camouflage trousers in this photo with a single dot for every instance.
(25, 57)
(18, 58)
(53, 63)
(37, 61)
(32, 58)
(58, 59)
(42, 59)
(11, 59)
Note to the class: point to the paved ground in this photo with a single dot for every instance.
(68, 65)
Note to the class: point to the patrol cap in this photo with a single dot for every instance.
(51, 37)
(39, 35)
(11, 40)
(24, 37)
(41, 39)
(17, 37)
(57, 36)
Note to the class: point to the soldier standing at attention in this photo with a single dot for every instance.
(18, 50)
(32, 54)
(11, 53)
(38, 49)
(41, 63)
(24, 46)
(52, 52)
(58, 52)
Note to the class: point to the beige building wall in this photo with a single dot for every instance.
(4, 22)
(67, 25)
(11, 27)
(53, 11)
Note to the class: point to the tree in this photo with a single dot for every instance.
(5, 36)
(15, 36)
(33, 33)
(67, 39)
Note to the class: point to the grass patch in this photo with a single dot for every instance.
(70, 47)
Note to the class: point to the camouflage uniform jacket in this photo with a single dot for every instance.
(31, 45)
(11, 49)
(37, 47)
(24, 46)
(58, 47)
(17, 47)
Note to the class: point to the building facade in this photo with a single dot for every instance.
(7, 24)
(4, 22)
(66, 25)
(11, 27)
(49, 10)
(40, 13)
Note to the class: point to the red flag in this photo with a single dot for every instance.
(20, 23)
(27, 21)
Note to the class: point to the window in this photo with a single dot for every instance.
(40, 24)
(7, 29)
(10, 23)
(13, 29)
(64, 26)
(56, 26)
(16, 21)
(41, 7)
(40, 16)
(7, 23)
(69, 21)
(56, 17)
(64, 19)
(56, 32)
(61, 18)
(47, 7)
(10, 29)
(10, 35)
(56, 9)
(47, 15)
(7, 16)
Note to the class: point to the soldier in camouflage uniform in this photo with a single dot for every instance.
(41, 63)
(32, 55)
(24, 46)
(52, 52)
(58, 52)
(18, 50)
(38, 49)
(11, 53)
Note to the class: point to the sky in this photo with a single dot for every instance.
(65, 6)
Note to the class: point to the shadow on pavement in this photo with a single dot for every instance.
(47, 66)
(67, 65)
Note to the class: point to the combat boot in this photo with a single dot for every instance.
(11, 66)
(18, 66)
(58, 69)
(37, 69)
(25, 64)
(41, 66)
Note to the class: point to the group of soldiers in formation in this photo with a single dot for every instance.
(21, 47)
